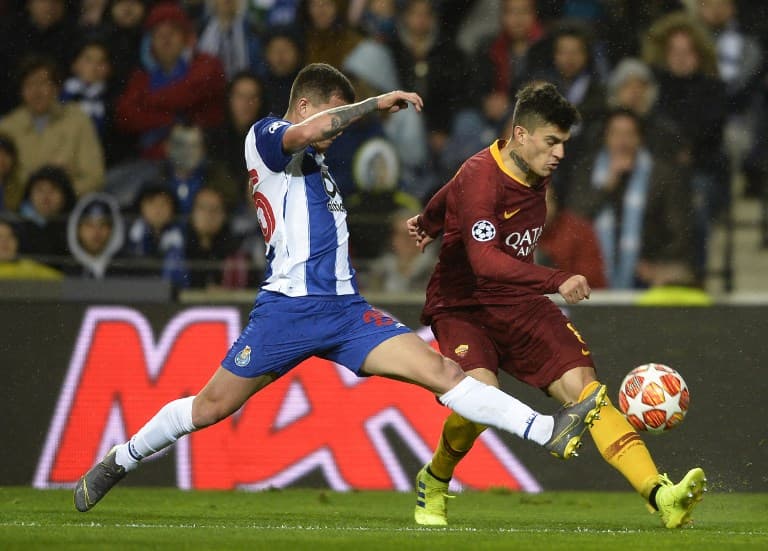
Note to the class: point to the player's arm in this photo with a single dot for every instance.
(425, 227)
(487, 258)
(331, 122)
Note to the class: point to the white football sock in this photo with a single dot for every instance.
(173, 421)
(490, 406)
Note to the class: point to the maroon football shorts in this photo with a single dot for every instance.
(534, 342)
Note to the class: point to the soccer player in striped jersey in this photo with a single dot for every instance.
(486, 303)
(308, 303)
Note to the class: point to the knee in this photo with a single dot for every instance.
(207, 412)
(449, 373)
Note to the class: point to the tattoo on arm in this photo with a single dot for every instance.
(343, 116)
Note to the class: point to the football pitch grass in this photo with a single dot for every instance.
(142, 518)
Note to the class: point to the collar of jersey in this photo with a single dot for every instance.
(496, 154)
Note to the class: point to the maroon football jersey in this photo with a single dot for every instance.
(491, 223)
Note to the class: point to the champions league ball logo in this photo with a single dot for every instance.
(483, 230)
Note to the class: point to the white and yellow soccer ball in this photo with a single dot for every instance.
(654, 398)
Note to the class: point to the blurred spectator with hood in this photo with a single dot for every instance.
(48, 133)
(95, 234)
(174, 84)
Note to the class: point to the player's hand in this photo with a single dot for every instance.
(398, 100)
(574, 289)
(417, 234)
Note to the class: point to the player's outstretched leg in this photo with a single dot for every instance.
(98, 481)
(571, 422)
(676, 501)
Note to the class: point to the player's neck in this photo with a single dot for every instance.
(518, 166)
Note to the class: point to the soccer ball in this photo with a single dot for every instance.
(654, 398)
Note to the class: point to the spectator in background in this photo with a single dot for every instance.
(376, 18)
(87, 85)
(569, 243)
(631, 85)
(44, 30)
(209, 246)
(95, 234)
(156, 237)
(671, 283)
(640, 206)
(377, 197)
(572, 71)
(372, 70)
(122, 30)
(91, 14)
(189, 168)
(503, 62)
(691, 94)
(11, 186)
(174, 84)
(401, 268)
(284, 59)
(48, 200)
(227, 35)
(432, 66)
(49, 133)
(501, 66)
(246, 103)
(270, 14)
(739, 55)
(14, 267)
(326, 35)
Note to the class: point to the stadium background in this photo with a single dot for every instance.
(719, 350)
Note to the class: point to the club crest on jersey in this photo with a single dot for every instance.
(243, 357)
(483, 230)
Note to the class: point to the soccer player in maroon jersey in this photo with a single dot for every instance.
(486, 304)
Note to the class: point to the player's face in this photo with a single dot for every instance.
(544, 148)
(334, 101)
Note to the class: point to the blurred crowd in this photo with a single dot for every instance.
(122, 125)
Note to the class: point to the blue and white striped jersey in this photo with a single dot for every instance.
(301, 215)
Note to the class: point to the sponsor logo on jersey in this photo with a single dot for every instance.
(483, 230)
(243, 357)
(524, 243)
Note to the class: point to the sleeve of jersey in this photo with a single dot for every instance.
(477, 219)
(268, 134)
(432, 218)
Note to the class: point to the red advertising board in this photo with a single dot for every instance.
(319, 416)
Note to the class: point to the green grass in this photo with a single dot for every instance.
(138, 518)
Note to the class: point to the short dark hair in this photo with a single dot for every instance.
(539, 103)
(33, 63)
(318, 82)
(624, 112)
